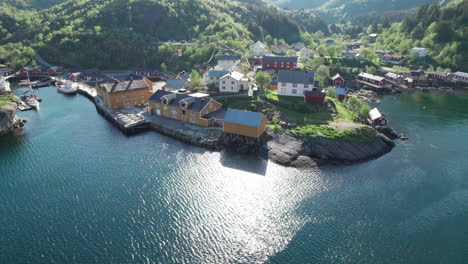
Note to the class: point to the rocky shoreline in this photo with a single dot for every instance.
(290, 151)
(9, 121)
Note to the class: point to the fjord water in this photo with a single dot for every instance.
(74, 189)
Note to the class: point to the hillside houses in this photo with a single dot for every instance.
(233, 82)
(226, 62)
(392, 58)
(305, 53)
(338, 80)
(420, 52)
(213, 76)
(6, 72)
(294, 83)
(460, 77)
(279, 49)
(298, 46)
(259, 49)
(371, 80)
(279, 63)
(394, 78)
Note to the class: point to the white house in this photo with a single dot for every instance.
(305, 53)
(233, 82)
(259, 48)
(421, 52)
(226, 62)
(212, 76)
(460, 77)
(295, 83)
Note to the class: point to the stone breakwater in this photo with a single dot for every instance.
(8, 119)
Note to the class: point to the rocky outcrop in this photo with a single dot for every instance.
(8, 119)
(290, 151)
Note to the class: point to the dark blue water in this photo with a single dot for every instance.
(74, 189)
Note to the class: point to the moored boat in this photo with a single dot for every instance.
(67, 88)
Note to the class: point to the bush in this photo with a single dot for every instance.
(331, 92)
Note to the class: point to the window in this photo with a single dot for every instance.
(142, 95)
(232, 82)
(224, 82)
(192, 113)
(232, 88)
(193, 119)
(294, 91)
(283, 90)
(224, 88)
(174, 113)
(294, 85)
(127, 97)
(183, 112)
(117, 98)
(165, 107)
(211, 106)
(283, 84)
(211, 78)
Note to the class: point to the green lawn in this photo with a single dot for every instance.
(245, 103)
(5, 99)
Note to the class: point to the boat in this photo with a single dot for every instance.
(67, 88)
(4, 85)
(31, 100)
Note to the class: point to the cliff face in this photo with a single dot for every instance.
(8, 119)
(290, 151)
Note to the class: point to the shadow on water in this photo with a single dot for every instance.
(244, 162)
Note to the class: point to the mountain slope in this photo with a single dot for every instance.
(335, 10)
(122, 33)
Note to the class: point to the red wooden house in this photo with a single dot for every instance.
(376, 118)
(338, 81)
(6, 72)
(314, 97)
(370, 79)
(279, 63)
(55, 70)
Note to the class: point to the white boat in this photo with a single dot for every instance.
(32, 102)
(4, 85)
(67, 88)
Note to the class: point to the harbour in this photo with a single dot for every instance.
(96, 209)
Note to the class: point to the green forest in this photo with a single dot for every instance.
(118, 34)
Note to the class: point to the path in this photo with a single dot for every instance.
(41, 60)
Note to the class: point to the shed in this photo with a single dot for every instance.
(244, 123)
(341, 93)
(376, 118)
(314, 97)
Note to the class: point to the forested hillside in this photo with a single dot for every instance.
(121, 33)
(32, 4)
(443, 31)
(337, 10)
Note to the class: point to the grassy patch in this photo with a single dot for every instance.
(5, 99)
(359, 135)
(246, 103)
(271, 94)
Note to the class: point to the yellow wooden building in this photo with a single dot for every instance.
(125, 94)
(183, 107)
(244, 123)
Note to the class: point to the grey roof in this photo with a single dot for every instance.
(241, 117)
(217, 114)
(217, 73)
(6, 69)
(120, 87)
(228, 57)
(340, 91)
(296, 77)
(279, 59)
(175, 84)
(126, 76)
(197, 105)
